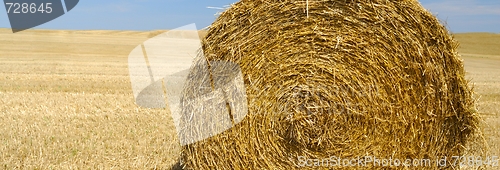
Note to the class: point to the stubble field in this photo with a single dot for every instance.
(66, 101)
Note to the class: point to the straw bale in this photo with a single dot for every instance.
(344, 78)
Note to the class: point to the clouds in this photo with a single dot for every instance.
(106, 7)
(466, 15)
(122, 7)
(460, 15)
(463, 7)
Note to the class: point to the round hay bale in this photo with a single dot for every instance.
(332, 78)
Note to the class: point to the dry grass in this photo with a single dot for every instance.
(481, 53)
(338, 78)
(67, 130)
(479, 43)
(66, 102)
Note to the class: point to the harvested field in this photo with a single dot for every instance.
(66, 101)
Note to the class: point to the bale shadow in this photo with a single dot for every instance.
(177, 166)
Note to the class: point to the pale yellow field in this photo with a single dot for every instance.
(481, 54)
(66, 101)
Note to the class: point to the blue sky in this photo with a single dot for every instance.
(459, 15)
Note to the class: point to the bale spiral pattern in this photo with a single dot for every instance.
(343, 78)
